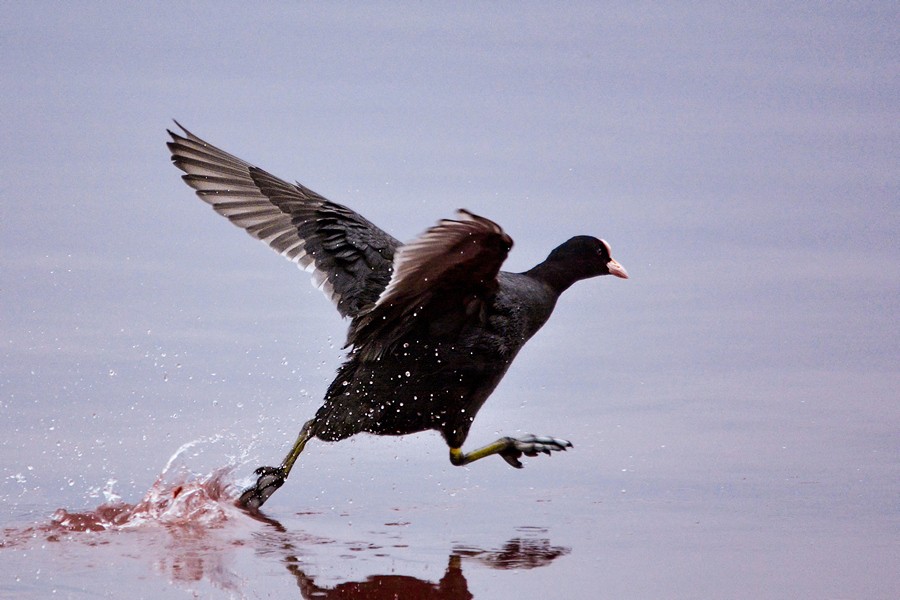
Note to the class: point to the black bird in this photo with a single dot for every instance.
(434, 323)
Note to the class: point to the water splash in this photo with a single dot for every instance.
(178, 527)
(179, 501)
(180, 498)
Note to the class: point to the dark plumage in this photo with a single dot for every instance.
(434, 324)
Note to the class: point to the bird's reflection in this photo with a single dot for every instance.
(522, 552)
(452, 586)
(517, 553)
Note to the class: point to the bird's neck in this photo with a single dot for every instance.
(553, 275)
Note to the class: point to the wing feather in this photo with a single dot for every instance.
(447, 274)
(350, 258)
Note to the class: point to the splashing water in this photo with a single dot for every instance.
(178, 528)
(179, 498)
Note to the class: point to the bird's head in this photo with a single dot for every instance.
(586, 256)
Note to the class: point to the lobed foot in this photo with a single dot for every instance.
(531, 445)
(270, 479)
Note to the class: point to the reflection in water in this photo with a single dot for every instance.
(518, 553)
(527, 551)
(188, 529)
(452, 586)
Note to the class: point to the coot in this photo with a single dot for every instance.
(434, 324)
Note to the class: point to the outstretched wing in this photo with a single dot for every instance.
(447, 275)
(349, 257)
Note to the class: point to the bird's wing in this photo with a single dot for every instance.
(349, 257)
(447, 274)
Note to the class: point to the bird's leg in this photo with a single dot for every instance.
(511, 449)
(272, 478)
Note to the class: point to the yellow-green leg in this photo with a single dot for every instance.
(305, 433)
(511, 449)
(272, 478)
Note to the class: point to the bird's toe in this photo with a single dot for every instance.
(269, 480)
(532, 445)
